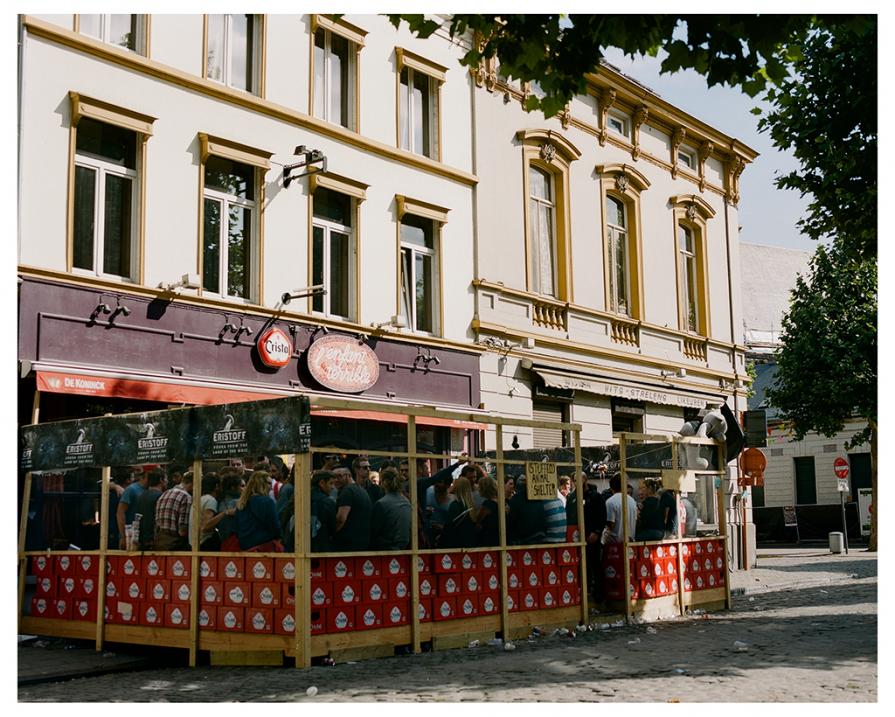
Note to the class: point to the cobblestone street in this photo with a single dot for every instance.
(813, 640)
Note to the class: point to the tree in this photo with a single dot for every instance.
(818, 74)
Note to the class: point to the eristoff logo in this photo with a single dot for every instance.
(153, 446)
(229, 439)
(81, 451)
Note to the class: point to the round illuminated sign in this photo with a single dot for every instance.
(342, 364)
(274, 347)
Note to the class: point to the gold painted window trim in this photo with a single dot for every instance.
(341, 27)
(420, 209)
(628, 192)
(420, 64)
(337, 183)
(233, 151)
(693, 213)
(82, 106)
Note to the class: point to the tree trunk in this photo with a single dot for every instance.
(873, 501)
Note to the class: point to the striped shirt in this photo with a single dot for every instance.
(172, 512)
(555, 515)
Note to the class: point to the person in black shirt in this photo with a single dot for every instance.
(354, 511)
(145, 506)
(360, 469)
(323, 513)
(650, 522)
(527, 522)
(594, 522)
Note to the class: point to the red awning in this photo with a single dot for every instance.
(87, 384)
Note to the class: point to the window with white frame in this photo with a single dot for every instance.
(332, 253)
(334, 78)
(419, 273)
(232, 54)
(123, 30)
(542, 231)
(229, 218)
(688, 278)
(418, 112)
(619, 269)
(618, 123)
(105, 199)
(686, 158)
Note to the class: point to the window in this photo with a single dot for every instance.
(687, 159)
(332, 253)
(619, 271)
(123, 30)
(232, 56)
(419, 271)
(334, 78)
(692, 215)
(419, 81)
(105, 196)
(228, 259)
(688, 274)
(541, 239)
(806, 488)
(618, 123)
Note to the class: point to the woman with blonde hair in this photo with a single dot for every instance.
(257, 524)
(460, 525)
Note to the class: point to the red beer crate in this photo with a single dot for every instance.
(46, 585)
(237, 594)
(318, 622)
(568, 575)
(152, 614)
(550, 576)
(211, 592)
(711, 579)
(449, 584)
(664, 585)
(467, 606)
(321, 594)
(42, 565)
(115, 587)
(208, 616)
(87, 566)
(368, 617)
(374, 590)
(547, 597)
(546, 556)
(41, 606)
(177, 615)
(347, 592)
(64, 565)
(699, 582)
(424, 564)
(284, 621)
(340, 619)
(175, 567)
(568, 556)
(181, 591)
(491, 580)
(688, 584)
(489, 561)
(128, 566)
(158, 589)
(471, 583)
(399, 588)
(647, 589)
(425, 610)
(568, 595)
(68, 584)
(368, 567)
(339, 569)
(134, 588)
(529, 598)
(259, 620)
(446, 562)
(266, 594)
(513, 604)
(670, 566)
(259, 569)
(208, 567)
(231, 619)
(396, 566)
(719, 562)
(572, 534)
(489, 603)
(722, 577)
(395, 612)
(284, 569)
(531, 577)
(153, 566)
(525, 558)
(514, 578)
(84, 610)
(231, 568)
(444, 607)
(468, 561)
(122, 612)
(428, 584)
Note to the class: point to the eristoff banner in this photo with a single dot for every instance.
(175, 435)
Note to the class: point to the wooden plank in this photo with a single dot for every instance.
(220, 640)
(246, 658)
(452, 642)
(302, 495)
(680, 574)
(74, 629)
(502, 530)
(369, 652)
(580, 485)
(626, 567)
(657, 608)
(23, 560)
(722, 525)
(104, 518)
(145, 635)
(415, 639)
(194, 562)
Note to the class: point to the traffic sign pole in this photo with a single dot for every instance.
(841, 469)
(844, 526)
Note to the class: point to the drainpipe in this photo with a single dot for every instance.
(475, 192)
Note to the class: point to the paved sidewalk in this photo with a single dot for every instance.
(783, 569)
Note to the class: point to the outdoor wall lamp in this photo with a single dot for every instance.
(316, 290)
(306, 158)
(227, 328)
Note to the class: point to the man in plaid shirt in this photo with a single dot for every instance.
(172, 516)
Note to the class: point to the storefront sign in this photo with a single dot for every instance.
(556, 379)
(274, 347)
(540, 480)
(341, 364)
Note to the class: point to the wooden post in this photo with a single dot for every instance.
(626, 568)
(722, 518)
(103, 550)
(502, 531)
(414, 538)
(194, 562)
(23, 523)
(302, 559)
(580, 487)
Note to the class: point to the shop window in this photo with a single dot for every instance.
(231, 202)
(332, 253)
(106, 198)
(233, 51)
(128, 31)
(806, 485)
(621, 187)
(627, 416)
(692, 215)
(419, 89)
(547, 158)
(336, 51)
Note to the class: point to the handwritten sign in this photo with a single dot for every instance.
(541, 480)
(342, 364)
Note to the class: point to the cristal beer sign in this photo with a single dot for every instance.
(274, 347)
(342, 364)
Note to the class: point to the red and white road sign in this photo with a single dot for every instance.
(840, 467)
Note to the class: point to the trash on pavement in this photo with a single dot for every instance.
(740, 646)
(474, 643)
(509, 646)
(651, 630)
(634, 641)
(495, 642)
(311, 691)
